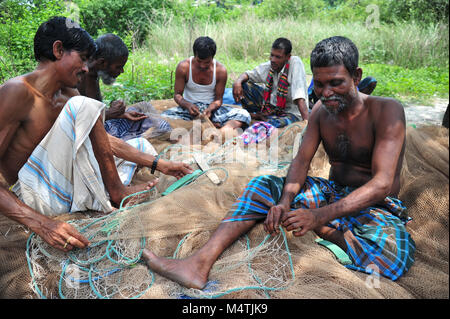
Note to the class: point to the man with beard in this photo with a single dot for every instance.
(199, 87)
(355, 209)
(54, 151)
(283, 98)
(107, 63)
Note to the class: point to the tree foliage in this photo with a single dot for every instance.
(122, 16)
(19, 21)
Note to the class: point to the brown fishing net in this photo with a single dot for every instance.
(256, 266)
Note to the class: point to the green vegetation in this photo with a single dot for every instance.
(404, 44)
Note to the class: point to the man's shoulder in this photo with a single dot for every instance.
(264, 64)
(384, 109)
(295, 60)
(16, 90)
(16, 99)
(220, 68)
(183, 63)
(15, 83)
(381, 103)
(261, 69)
(183, 67)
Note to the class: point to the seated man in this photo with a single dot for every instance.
(107, 63)
(356, 209)
(284, 98)
(54, 150)
(199, 86)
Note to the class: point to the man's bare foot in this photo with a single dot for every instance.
(129, 190)
(186, 272)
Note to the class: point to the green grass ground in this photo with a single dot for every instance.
(147, 79)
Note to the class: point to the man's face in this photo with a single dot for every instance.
(278, 59)
(112, 70)
(335, 87)
(203, 64)
(73, 65)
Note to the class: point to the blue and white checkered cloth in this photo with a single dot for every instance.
(222, 115)
(376, 237)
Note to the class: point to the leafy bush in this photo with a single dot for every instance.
(19, 21)
(388, 11)
(290, 8)
(122, 16)
(143, 79)
(418, 85)
(425, 11)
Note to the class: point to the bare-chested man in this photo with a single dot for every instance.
(356, 209)
(199, 86)
(30, 105)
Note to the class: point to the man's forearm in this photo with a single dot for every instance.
(242, 78)
(123, 150)
(127, 152)
(365, 196)
(215, 105)
(13, 208)
(294, 181)
(303, 109)
(181, 101)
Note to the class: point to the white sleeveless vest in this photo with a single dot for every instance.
(194, 92)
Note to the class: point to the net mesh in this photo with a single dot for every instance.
(256, 265)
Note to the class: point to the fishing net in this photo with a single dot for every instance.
(175, 224)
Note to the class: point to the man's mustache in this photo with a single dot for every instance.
(332, 98)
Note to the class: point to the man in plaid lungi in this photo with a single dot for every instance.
(356, 208)
(275, 91)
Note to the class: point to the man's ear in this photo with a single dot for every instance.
(357, 76)
(58, 49)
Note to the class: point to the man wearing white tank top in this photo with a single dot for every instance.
(199, 87)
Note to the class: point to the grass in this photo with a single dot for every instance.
(146, 78)
(405, 44)
(409, 61)
(411, 86)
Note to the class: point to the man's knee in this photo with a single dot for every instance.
(79, 102)
(272, 183)
(143, 145)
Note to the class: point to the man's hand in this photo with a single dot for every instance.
(193, 110)
(115, 110)
(207, 113)
(57, 234)
(300, 221)
(258, 116)
(238, 92)
(133, 116)
(274, 218)
(176, 169)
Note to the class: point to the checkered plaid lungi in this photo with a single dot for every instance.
(376, 237)
(253, 102)
(222, 115)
